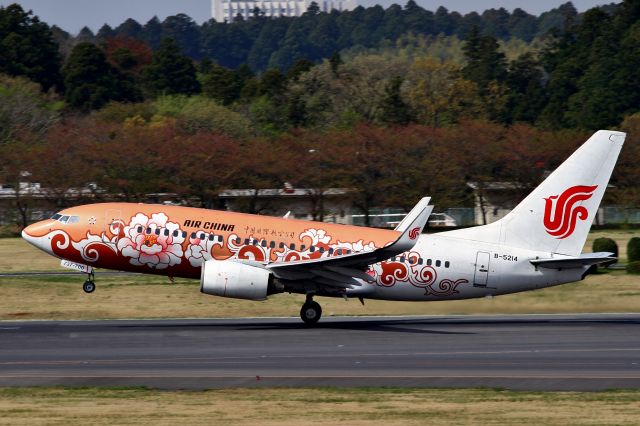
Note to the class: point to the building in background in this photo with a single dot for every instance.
(228, 10)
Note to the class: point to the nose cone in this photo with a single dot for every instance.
(37, 235)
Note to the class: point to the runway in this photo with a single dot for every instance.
(533, 352)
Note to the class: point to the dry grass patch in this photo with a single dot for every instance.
(16, 255)
(368, 406)
(138, 296)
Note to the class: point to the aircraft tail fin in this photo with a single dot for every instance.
(557, 215)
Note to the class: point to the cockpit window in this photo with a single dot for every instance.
(66, 218)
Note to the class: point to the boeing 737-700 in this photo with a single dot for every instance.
(537, 245)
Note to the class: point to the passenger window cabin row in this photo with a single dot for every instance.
(272, 244)
(414, 260)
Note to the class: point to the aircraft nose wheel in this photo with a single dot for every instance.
(310, 312)
(88, 286)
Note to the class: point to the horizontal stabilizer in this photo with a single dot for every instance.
(586, 259)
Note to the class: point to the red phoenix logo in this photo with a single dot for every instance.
(561, 212)
(413, 234)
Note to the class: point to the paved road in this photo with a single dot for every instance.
(577, 352)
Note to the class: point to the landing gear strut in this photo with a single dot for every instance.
(311, 311)
(89, 286)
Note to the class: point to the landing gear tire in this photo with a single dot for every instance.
(89, 286)
(311, 312)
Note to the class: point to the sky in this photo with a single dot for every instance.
(71, 15)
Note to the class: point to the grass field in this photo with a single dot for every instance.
(366, 406)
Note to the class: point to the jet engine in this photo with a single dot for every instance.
(233, 279)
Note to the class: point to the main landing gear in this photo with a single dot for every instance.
(311, 311)
(89, 286)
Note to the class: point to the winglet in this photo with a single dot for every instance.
(409, 218)
(412, 225)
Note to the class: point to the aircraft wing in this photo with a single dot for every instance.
(585, 259)
(345, 271)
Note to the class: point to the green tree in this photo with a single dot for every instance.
(152, 33)
(486, 66)
(171, 72)
(484, 60)
(24, 109)
(27, 47)
(92, 82)
(221, 84)
(267, 42)
(105, 32)
(527, 95)
(393, 108)
(300, 66)
(129, 28)
(185, 32)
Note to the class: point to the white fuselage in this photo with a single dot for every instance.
(480, 269)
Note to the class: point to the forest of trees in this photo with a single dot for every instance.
(393, 103)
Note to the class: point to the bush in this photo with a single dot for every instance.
(633, 249)
(9, 231)
(633, 267)
(606, 245)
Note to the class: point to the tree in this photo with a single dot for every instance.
(477, 147)
(300, 66)
(85, 36)
(105, 32)
(171, 72)
(438, 94)
(221, 84)
(92, 82)
(527, 95)
(27, 47)
(152, 33)
(484, 60)
(129, 29)
(393, 108)
(185, 32)
(128, 55)
(17, 160)
(194, 114)
(268, 41)
(486, 66)
(24, 109)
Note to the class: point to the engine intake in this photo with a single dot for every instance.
(233, 279)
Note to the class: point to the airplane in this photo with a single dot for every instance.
(537, 245)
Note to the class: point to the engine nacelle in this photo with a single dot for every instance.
(234, 279)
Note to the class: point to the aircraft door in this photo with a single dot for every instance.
(113, 226)
(481, 275)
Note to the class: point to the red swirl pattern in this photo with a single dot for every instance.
(445, 288)
(392, 272)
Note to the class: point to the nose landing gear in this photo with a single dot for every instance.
(311, 311)
(89, 286)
